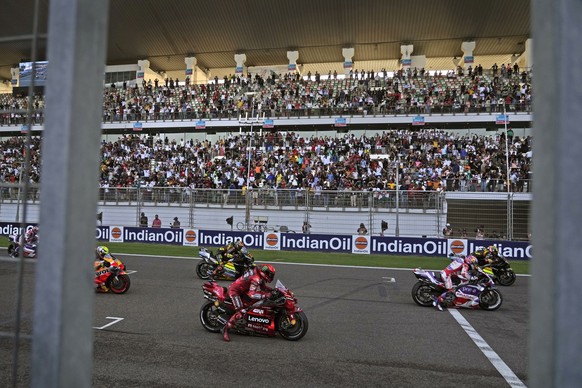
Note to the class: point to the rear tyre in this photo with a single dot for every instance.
(202, 270)
(209, 317)
(293, 332)
(490, 300)
(12, 251)
(119, 284)
(423, 294)
(506, 278)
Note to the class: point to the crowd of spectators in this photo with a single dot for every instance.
(430, 160)
(361, 92)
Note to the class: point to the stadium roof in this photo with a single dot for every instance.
(164, 32)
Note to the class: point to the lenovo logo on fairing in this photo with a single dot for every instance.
(259, 319)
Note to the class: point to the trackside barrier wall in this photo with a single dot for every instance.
(274, 241)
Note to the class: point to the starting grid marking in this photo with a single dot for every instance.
(115, 320)
(493, 357)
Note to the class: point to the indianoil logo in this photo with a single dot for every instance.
(190, 236)
(272, 239)
(457, 247)
(361, 243)
(116, 233)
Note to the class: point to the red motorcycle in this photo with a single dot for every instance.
(277, 314)
(113, 276)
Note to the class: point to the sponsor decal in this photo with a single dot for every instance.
(361, 244)
(190, 237)
(272, 239)
(116, 234)
(252, 318)
(457, 247)
(258, 311)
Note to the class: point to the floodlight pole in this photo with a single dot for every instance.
(249, 122)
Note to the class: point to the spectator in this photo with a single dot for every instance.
(157, 223)
(143, 221)
(362, 229)
(176, 223)
(306, 228)
(447, 230)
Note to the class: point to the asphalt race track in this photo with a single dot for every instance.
(364, 331)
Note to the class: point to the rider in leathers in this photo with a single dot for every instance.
(235, 252)
(253, 285)
(487, 255)
(461, 267)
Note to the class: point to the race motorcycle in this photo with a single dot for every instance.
(209, 265)
(480, 292)
(114, 277)
(14, 247)
(500, 271)
(276, 314)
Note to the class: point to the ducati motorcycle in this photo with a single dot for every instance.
(277, 314)
(480, 292)
(29, 250)
(114, 277)
(500, 271)
(209, 266)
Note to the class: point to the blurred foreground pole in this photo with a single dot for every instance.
(555, 351)
(64, 296)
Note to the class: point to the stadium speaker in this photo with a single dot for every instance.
(229, 220)
(100, 218)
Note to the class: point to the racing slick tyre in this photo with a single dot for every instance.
(12, 250)
(119, 284)
(209, 317)
(490, 300)
(506, 278)
(292, 332)
(423, 294)
(202, 270)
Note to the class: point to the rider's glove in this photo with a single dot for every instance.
(275, 294)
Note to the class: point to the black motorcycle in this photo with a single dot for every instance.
(500, 271)
(209, 265)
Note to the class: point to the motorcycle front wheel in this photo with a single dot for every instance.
(209, 317)
(119, 284)
(12, 250)
(202, 270)
(293, 332)
(490, 300)
(506, 277)
(423, 294)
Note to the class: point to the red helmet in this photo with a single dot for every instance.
(267, 272)
(471, 260)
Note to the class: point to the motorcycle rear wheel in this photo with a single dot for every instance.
(12, 250)
(490, 300)
(119, 284)
(202, 270)
(295, 332)
(423, 294)
(209, 317)
(506, 278)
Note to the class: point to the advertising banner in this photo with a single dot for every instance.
(272, 241)
(361, 245)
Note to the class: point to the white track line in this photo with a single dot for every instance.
(493, 357)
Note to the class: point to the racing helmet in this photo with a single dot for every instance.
(239, 244)
(493, 250)
(102, 251)
(35, 229)
(471, 260)
(267, 272)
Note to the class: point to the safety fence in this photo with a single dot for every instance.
(410, 213)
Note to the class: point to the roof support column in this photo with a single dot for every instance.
(405, 60)
(240, 60)
(292, 56)
(348, 54)
(468, 59)
(191, 68)
(15, 72)
(143, 66)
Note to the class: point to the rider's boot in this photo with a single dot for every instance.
(231, 322)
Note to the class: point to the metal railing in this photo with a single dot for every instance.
(500, 215)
